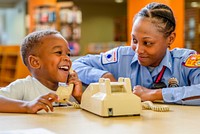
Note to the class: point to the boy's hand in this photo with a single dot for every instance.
(77, 91)
(42, 102)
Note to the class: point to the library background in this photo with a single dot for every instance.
(90, 26)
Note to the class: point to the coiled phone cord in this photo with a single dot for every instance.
(150, 106)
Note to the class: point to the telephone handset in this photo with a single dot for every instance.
(64, 93)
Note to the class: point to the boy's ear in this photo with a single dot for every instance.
(33, 61)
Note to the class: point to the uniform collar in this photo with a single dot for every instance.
(167, 61)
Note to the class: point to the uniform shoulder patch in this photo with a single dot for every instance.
(192, 61)
(109, 56)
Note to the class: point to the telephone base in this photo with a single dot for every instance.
(103, 116)
(107, 99)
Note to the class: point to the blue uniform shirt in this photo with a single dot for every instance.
(123, 62)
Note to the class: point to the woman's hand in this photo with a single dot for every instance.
(110, 76)
(148, 94)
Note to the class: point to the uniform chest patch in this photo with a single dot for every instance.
(109, 57)
(192, 61)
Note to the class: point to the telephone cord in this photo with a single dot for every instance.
(150, 106)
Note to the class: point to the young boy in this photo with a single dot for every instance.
(30, 107)
(47, 56)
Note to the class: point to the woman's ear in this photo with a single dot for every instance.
(171, 38)
(33, 61)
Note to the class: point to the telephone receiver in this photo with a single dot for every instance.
(64, 93)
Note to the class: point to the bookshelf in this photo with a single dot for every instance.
(65, 17)
(45, 17)
(11, 66)
(192, 29)
(69, 21)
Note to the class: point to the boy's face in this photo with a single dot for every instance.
(54, 60)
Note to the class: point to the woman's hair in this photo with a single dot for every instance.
(161, 15)
(33, 41)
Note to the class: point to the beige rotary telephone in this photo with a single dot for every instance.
(106, 98)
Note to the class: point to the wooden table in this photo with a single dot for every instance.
(68, 120)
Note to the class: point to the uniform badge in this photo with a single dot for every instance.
(109, 57)
(173, 82)
(192, 61)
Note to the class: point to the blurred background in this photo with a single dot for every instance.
(90, 26)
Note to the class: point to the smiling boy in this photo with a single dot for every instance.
(47, 56)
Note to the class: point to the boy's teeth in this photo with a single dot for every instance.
(64, 67)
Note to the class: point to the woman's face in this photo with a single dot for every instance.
(149, 44)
